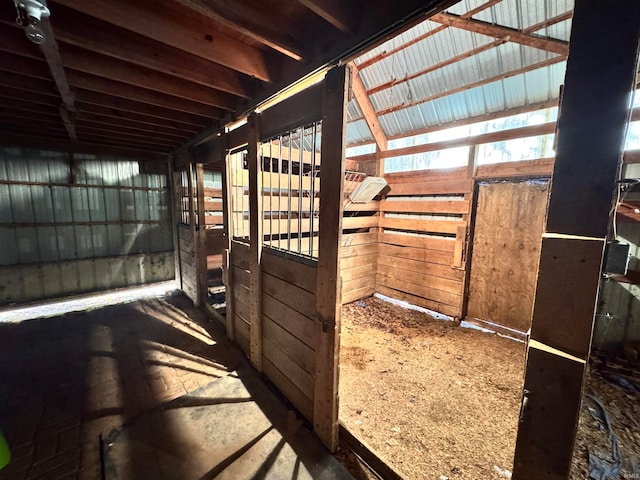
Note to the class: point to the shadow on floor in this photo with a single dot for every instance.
(159, 386)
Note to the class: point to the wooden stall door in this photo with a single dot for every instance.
(505, 251)
(187, 239)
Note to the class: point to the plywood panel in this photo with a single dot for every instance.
(506, 251)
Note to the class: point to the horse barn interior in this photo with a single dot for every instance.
(319, 239)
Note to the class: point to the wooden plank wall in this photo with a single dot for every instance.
(358, 265)
(289, 323)
(188, 268)
(239, 263)
(215, 241)
(423, 221)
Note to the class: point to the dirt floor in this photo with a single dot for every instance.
(432, 399)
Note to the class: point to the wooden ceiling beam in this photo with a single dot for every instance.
(108, 68)
(360, 94)
(469, 86)
(498, 31)
(61, 144)
(77, 29)
(50, 50)
(109, 122)
(333, 11)
(548, 22)
(229, 14)
(161, 24)
(117, 70)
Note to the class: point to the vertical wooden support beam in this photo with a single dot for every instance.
(594, 114)
(469, 219)
(227, 208)
(191, 186)
(328, 294)
(255, 239)
(174, 190)
(200, 238)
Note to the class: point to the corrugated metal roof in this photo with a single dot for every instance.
(519, 90)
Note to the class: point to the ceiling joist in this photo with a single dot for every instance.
(333, 11)
(498, 31)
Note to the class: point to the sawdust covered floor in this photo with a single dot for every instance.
(432, 399)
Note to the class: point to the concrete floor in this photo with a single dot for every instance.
(149, 389)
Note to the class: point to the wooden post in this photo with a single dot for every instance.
(325, 407)
(227, 208)
(255, 239)
(200, 238)
(174, 189)
(467, 235)
(191, 182)
(594, 114)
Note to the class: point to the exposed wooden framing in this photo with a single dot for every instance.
(228, 225)
(333, 11)
(469, 86)
(49, 48)
(174, 189)
(590, 138)
(255, 244)
(432, 68)
(114, 69)
(219, 11)
(522, 132)
(200, 237)
(160, 24)
(548, 22)
(360, 93)
(74, 28)
(424, 36)
(325, 408)
(365, 453)
(498, 31)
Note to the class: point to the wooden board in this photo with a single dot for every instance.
(430, 188)
(289, 270)
(418, 225)
(505, 252)
(297, 324)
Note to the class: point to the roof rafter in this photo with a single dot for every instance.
(333, 11)
(498, 31)
(178, 31)
(368, 111)
(547, 23)
(227, 13)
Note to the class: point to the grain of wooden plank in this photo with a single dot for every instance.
(542, 167)
(420, 254)
(444, 272)
(431, 188)
(359, 250)
(358, 283)
(444, 244)
(420, 290)
(299, 400)
(299, 325)
(358, 239)
(425, 206)
(417, 225)
(430, 175)
(292, 347)
(240, 276)
(289, 270)
(241, 328)
(295, 297)
(351, 262)
(506, 251)
(354, 295)
(419, 301)
(349, 223)
(349, 274)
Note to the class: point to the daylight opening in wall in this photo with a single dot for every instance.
(291, 189)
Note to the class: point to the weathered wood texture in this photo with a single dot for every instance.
(422, 228)
(188, 265)
(506, 251)
(358, 265)
(288, 321)
(590, 142)
(241, 289)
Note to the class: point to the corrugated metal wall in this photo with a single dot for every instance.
(57, 209)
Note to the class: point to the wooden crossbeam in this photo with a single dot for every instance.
(360, 93)
(231, 15)
(180, 31)
(486, 81)
(548, 22)
(498, 31)
(81, 30)
(333, 11)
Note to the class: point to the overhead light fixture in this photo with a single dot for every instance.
(30, 14)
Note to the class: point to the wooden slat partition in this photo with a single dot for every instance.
(239, 263)
(289, 316)
(423, 225)
(358, 265)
